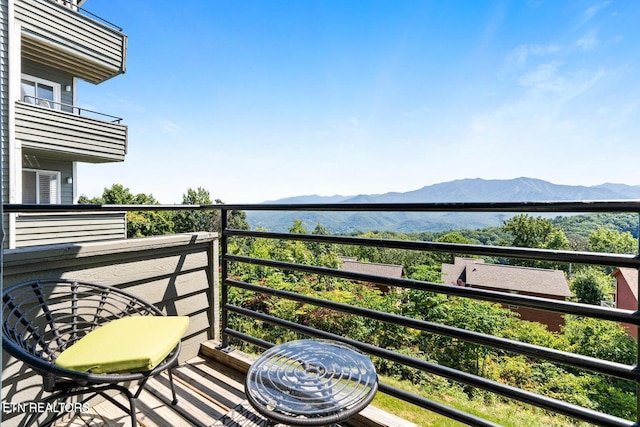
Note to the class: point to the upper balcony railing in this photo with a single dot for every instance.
(252, 314)
(69, 132)
(69, 108)
(47, 103)
(73, 5)
(59, 37)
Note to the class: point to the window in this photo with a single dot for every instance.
(40, 92)
(40, 187)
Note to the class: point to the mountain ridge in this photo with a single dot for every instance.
(467, 190)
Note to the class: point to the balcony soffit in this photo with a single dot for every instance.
(49, 54)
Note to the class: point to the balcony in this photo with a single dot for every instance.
(61, 131)
(62, 38)
(231, 315)
(57, 228)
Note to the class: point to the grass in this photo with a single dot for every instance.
(504, 413)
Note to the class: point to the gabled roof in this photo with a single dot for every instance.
(386, 270)
(506, 277)
(630, 275)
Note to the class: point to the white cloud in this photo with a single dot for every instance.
(592, 11)
(168, 126)
(588, 42)
(522, 53)
(544, 78)
(550, 80)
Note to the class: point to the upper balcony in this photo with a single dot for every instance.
(69, 132)
(63, 38)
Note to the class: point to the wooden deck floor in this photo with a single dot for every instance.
(207, 397)
(210, 390)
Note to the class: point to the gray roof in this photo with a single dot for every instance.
(506, 277)
(386, 270)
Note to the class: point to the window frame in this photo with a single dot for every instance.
(57, 90)
(38, 172)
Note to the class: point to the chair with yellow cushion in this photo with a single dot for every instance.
(85, 339)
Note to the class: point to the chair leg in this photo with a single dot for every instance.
(130, 397)
(173, 387)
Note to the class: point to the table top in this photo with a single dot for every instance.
(311, 382)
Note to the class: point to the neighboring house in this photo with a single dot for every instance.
(626, 296)
(538, 282)
(387, 270)
(47, 47)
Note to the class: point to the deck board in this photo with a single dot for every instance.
(210, 394)
(204, 396)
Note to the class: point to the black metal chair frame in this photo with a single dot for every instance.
(42, 318)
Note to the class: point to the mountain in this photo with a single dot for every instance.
(463, 190)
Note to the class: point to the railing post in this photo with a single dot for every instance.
(224, 287)
(638, 331)
(214, 263)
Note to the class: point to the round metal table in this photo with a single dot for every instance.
(311, 382)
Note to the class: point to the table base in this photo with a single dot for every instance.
(243, 415)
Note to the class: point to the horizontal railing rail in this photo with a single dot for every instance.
(68, 108)
(232, 309)
(572, 360)
(69, 4)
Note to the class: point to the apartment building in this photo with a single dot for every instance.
(47, 47)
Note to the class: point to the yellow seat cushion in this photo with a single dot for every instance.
(130, 344)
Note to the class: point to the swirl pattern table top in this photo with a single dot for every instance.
(311, 382)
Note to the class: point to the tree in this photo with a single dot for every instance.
(139, 223)
(535, 232)
(237, 219)
(190, 221)
(602, 339)
(611, 241)
(451, 237)
(591, 286)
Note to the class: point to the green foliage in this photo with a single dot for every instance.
(139, 223)
(189, 221)
(535, 232)
(594, 338)
(152, 223)
(612, 241)
(515, 371)
(532, 333)
(426, 273)
(477, 316)
(590, 337)
(599, 338)
(580, 226)
(591, 286)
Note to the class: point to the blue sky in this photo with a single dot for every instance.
(257, 100)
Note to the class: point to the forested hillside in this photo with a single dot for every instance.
(459, 191)
(601, 339)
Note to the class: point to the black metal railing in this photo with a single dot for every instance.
(232, 310)
(73, 5)
(595, 365)
(69, 108)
